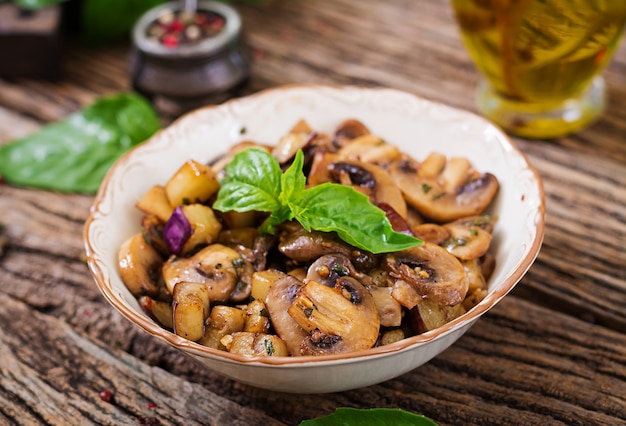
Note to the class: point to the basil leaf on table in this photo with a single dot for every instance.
(371, 417)
(74, 154)
(254, 182)
(36, 4)
(108, 20)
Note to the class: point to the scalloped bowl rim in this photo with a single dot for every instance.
(104, 271)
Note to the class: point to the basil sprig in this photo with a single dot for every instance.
(255, 182)
(374, 417)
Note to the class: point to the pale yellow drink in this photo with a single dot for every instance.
(541, 60)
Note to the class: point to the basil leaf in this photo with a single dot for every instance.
(252, 182)
(333, 207)
(36, 4)
(74, 154)
(371, 417)
(293, 180)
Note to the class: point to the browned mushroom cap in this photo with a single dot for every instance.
(225, 273)
(466, 241)
(252, 245)
(431, 271)
(443, 189)
(279, 298)
(139, 264)
(372, 180)
(329, 268)
(300, 245)
(296, 139)
(370, 149)
(340, 319)
(347, 131)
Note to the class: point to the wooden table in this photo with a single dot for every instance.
(552, 352)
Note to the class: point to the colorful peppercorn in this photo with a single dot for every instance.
(174, 28)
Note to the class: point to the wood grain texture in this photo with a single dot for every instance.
(553, 352)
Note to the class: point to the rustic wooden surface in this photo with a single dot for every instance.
(553, 352)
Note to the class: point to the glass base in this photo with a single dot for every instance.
(541, 121)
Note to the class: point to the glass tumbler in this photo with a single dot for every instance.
(541, 60)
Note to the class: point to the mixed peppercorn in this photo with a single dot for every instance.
(174, 28)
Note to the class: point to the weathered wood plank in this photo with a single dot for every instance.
(51, 375)
(551, 353)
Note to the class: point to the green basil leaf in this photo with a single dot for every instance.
(36, 4)
(333, 207)
(74, 154)
(371, 417)
(293, 180)
(252, 182)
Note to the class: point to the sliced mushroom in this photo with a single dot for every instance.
(160, 311)
(486, 222)
(431, 232)
(302, 246)
(329, 268)
(257, 317)
(466, 242)
(139, 265)
(152, 230)
(190, 308)
(340, 319)
(279, 298)
(253, 246)
(369, 149)
(298, 137)
(373, 180)
(254, 344)
(225, 273)
(349, 130)
(429, 315)
(443, 193)
(389, 309)
(431, 271)
(223, 320)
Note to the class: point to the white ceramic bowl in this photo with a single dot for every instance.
(415, 125)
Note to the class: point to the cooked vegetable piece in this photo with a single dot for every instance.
(372, 180)
(159, 310)
(204, 226)
(369, 148)
(190, 309)
(155, 202)
(257, 317)
(254, 344)
(340, 319)
(279, 298)
(223, 320)
(392, 336)
(389, 309)
(192, 183)
(443, 190)
(432, 271)
(406, 294)
(466, 241)
(139, 265)
(224, 272)
(263, 280)
(429, 315)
